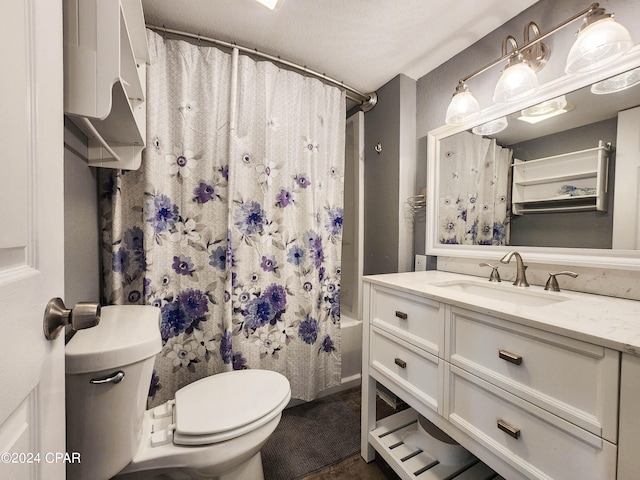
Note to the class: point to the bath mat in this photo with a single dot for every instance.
(310, 437)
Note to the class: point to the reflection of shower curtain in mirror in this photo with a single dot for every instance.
(474, 179)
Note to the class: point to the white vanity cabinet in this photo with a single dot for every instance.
(527, 402)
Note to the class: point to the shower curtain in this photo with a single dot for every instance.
(474, 182)
(233, 224)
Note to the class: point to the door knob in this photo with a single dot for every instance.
(57, 316)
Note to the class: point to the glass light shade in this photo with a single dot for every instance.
(489, 128)
(598, 44)
(618, 83)
(463, 107)
(545, 108)
(533, 119)
(516, 82)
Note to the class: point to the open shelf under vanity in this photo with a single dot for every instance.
(410, 462)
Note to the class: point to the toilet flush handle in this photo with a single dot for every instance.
(113, 378)
(57, 316)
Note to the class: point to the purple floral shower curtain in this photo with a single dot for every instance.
(233, 224)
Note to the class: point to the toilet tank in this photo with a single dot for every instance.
(104, 418)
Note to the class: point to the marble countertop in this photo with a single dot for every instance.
(606, 321)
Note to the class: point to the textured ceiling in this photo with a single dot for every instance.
(363, 43)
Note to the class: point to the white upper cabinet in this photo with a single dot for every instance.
(106, 53)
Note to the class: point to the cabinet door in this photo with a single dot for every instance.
(626, 215)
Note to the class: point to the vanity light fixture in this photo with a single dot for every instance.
(540, 118)
(492, 127)
(463, 106)
(543, 111)
(618, 83)
(545, 108)
(519, 79)
(600, 41)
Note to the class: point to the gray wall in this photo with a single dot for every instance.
(389, 178)
(81, 243)
(435, 89)
(381, 175)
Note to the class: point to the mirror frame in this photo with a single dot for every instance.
(603, 258)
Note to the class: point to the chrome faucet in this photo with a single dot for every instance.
(521, 277)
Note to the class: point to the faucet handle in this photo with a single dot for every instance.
(494, 276)
(552, 283)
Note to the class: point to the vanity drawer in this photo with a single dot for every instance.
(418, 372)
(417, 320)
(530, 439)
(575, 380)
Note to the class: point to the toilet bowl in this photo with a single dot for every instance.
(214, 428)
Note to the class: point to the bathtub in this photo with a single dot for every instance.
(351, 346)
(351, 356)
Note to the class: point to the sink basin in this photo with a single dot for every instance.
(503, 292)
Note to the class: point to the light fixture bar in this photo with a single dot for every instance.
(538, 39)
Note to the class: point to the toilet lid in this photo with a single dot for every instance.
(215, 406)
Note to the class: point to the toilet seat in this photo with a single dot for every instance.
(227, 405)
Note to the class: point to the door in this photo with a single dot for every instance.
(626, 214)
(32, 444)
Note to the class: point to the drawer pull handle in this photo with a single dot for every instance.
(510, 357)
(509, 429)
(401, 315)
(401, 363)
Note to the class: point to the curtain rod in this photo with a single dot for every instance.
(366, 100)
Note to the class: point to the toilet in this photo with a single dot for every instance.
(214, 428)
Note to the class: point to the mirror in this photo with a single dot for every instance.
(560, 186)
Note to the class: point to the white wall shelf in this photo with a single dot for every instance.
(539, 185)
(105, 78)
